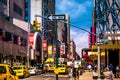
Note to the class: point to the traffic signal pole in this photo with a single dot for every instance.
(56, 49)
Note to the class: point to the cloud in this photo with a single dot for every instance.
(80, 38)
(72, 7)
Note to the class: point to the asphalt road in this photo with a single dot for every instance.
(47, 76)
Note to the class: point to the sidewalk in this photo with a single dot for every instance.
(89, 76)
(95, 74)
(86, 75)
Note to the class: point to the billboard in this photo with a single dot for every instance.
(49, 49)
(31, 39)
(54, 49)
(44, 45)
(62, 48)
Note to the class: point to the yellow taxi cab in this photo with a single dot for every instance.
(7, 73)
(62, 68)
(21, 71)
(51, 67)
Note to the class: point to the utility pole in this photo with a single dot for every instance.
(43, 32)
(28, 47)
(42, 45)
(98, 44)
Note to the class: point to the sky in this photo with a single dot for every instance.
(80, 12)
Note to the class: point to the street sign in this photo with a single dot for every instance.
(56, 17)
(104, 40)
(56, 71)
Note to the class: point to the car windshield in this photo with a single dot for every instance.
(2, 69)
(17, 68)
(39, 66)
(52, 65)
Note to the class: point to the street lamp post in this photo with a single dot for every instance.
(42, 45)
(98, 44)
(56, 50)
(43, 32)
(28, 46)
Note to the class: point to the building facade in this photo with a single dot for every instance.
(38, 10)
(13, 39)
(64, 37)
(110, 27)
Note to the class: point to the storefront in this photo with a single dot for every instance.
(112, 53)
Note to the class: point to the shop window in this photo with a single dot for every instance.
(1, 33)
(7, 36)
(24, 42)
(15, 39)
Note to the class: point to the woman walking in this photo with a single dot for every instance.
(108, 74)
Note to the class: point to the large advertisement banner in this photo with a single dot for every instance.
(49, 49)
(44, 45)
(31, 39)
(54, 49)
(62, 48)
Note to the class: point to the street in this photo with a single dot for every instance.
(78, 38)
(47, 76)
(51, 76)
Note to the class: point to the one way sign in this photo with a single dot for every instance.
(56, 17)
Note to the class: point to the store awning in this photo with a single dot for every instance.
(106, 47)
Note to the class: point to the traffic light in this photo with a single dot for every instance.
(36, 25)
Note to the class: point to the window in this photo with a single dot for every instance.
(2, 69)
(17, 68)
(26, 4)
(7, 36)
(4, 2)
(1, 34)
(26, 14)
(17, 9)
(15, 41)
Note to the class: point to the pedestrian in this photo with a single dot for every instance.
(108, 75)
(70, 73)
(117, 72)
(89, 67)
(77, 74)
(95, 68)
(74, 73)
(111, 67)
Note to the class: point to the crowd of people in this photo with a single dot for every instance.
(109, 72)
